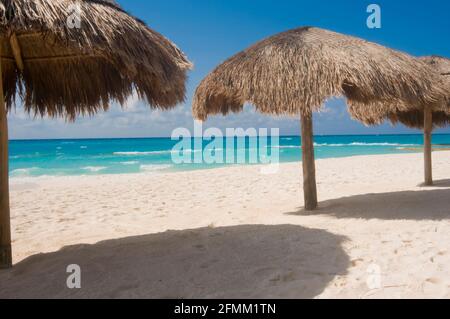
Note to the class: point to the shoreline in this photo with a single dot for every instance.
(173, 170)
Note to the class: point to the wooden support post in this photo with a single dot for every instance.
(428, 129)
(309, 168)
(5, 228)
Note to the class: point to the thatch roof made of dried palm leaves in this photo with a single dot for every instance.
(442, 66)
(295, 72)
(60, 69)
(415, 119)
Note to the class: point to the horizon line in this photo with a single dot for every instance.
(169, 137)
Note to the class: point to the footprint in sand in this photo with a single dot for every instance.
(357, 262)
(286, 277)
(434, 286)
(433, 280)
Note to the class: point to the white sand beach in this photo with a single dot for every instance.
(236, 233)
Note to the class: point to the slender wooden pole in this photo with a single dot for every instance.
(428, 129)
(309, 167)
(5, 226)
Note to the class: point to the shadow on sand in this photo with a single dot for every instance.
(442, 183)
(281, 261)
(412, 205)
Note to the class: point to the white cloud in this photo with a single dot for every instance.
(136, 119)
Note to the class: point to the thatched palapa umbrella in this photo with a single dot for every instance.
(68, 58)
(295, 72)
(429, 119)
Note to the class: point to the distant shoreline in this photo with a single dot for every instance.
(213, 168)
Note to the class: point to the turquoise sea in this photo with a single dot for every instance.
(32, 158)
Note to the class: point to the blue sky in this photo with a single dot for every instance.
(209, 31)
